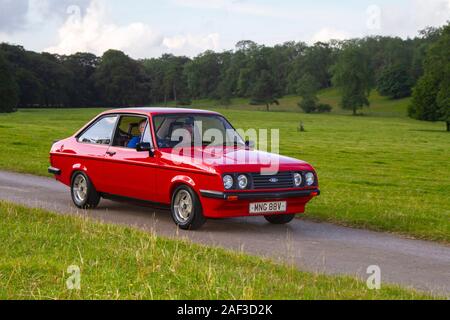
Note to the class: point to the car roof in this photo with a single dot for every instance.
(159, 110)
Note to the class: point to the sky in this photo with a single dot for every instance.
(145, 29)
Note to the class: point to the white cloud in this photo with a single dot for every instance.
(327, 34)
(41, 11)
(4, 37)
(39, 24)
(397, 20)
(431, 12)
(94, 33)
(193, 43)
(37, 10)
(240, 7)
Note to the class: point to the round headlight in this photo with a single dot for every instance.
(298, 179)
(310, 179)
(228, 182)
(242, 181)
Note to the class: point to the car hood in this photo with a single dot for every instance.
(231, 159)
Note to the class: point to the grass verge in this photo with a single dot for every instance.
(122, 263)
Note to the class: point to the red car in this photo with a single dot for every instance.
(154, 155)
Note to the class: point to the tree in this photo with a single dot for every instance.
(424, 105)
(318, 60)
(250, 60)
(203, 74)
(443, 100)
(352, 77)
(395, 82)
(24, 65)
(308, 104)
(314, 60)
(55, 80)
(174, 81)
(82, 67)
(31, 88)
(307, 88)
(167, 80)
(431, 95)
(154, 69)
(224, 92)
(227, 79)
(420, 48)
(392, 64)
(246, 45)
(120, 80)
(9, 90)
(263, 91)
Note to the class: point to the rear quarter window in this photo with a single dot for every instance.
(100, 132)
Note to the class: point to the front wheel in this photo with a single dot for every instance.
(83, 192)
(186, 209)
(280, 219)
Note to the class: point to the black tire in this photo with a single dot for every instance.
(280, 219)
(91, 198)
(195, 219)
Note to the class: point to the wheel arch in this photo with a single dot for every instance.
(198, 218)
(180, 180)
(80, 168)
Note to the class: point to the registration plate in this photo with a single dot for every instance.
(268, 207)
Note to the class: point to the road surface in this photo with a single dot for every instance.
(316, 247)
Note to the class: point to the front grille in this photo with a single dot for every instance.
(284, 180)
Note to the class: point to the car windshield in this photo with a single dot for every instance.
(181, 130)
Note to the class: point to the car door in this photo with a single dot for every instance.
(92, 145)
(130, 173)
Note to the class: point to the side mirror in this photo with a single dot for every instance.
(250, 144)
(145, 147)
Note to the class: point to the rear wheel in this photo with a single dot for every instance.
(280, 219)
(83, 192)
(186, 209)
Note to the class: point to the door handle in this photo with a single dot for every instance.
(111, 153)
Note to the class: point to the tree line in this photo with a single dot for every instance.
(396, 67)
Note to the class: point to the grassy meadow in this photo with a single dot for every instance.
(380, 106)
(123, 263)
(381, 171)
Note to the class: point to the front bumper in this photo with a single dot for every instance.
(259, 195)
(237, 204)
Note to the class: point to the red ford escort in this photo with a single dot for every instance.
(191, 160)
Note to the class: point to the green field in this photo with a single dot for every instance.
(380, 106)
(380, 171)
(123, 263)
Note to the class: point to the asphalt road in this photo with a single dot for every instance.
(317, 247)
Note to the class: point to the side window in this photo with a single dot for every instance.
(101, 132)
(130, 131)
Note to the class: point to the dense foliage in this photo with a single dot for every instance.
(431, 97)
(259, 73)
(353, 77)
(307, 88)
(8, 87)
